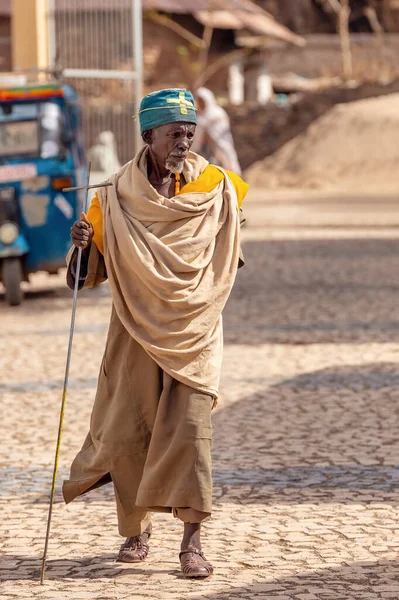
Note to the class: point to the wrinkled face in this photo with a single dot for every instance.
(171, 143)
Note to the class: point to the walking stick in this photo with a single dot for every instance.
(87, 187)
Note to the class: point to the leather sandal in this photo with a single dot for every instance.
(135, 549)
(194, 564)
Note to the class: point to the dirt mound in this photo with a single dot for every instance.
(353, 147)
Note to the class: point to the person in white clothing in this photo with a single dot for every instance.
(213, 139)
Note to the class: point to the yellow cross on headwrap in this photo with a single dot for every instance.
(183, 103)
(166, 106)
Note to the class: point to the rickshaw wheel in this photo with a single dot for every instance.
(12, 278)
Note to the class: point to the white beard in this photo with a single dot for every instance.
(174, 165)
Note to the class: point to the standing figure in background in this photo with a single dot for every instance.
(213, 139)
(104, 154)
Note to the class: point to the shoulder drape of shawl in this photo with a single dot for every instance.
(171, 264)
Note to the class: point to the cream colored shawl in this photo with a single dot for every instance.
(171, 264)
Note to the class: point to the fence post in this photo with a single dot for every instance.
(137, 17)
(29, 34)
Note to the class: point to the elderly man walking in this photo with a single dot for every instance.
(166, 236)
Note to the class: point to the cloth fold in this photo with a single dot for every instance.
(206, 182)
(171, 264)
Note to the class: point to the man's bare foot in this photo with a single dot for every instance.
(192, 559)
(135, 549)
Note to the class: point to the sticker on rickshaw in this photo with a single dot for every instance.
(9, 173)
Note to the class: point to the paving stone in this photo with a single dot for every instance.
(305, 435)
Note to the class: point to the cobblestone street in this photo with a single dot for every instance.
(306, 434)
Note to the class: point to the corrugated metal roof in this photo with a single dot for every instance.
(225, 14)
(190, 6)
(171, 6)
(259, 23)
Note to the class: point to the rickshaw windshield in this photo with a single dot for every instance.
(30, 130)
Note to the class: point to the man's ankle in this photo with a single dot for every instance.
(191, 536)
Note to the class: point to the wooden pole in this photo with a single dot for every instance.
(342, 11)
(343, 28)
(206, 44)
(207, 38)
(29, 34)
(176, 28)
(223, 61)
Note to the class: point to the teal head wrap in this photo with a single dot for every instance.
(167, 106)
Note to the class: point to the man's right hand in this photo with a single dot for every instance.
(82, 232)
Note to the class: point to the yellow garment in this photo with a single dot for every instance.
(95, 216)
(209, 179)
(205, 183)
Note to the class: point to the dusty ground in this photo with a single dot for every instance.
(352, 146)
(306, 441)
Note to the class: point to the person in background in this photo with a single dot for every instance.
(213, 139)
(104, 154)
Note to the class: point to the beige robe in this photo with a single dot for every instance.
(171, 265)
(150, 429)
(149, 433)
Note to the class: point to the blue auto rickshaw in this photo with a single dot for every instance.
(41, 152)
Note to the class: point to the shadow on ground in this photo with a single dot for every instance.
(371, 580)
(50, 297)
(333, 432)
(328, 436)
(95, 567)
(360, 580)
(292, 292)
(315, 291)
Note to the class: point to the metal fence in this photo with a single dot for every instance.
(98, 44)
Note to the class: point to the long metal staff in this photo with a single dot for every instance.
(87, 187)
